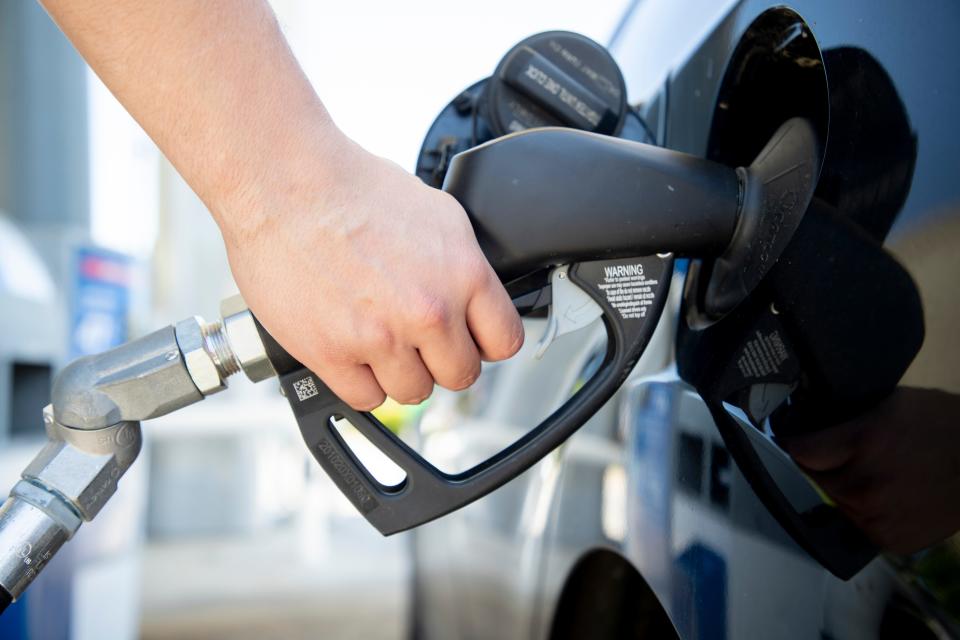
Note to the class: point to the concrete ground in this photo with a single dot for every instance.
(340, 580)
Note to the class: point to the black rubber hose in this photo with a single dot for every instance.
(5, 599)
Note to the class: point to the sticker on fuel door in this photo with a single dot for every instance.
(629, 288)
(762, 355)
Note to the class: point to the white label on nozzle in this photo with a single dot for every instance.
(628, 290)
(305, 388)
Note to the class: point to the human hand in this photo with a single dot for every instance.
(894, 471)
(360, 271)
(368, 277)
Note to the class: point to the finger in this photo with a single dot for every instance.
(404, 377)
(452, 357)
(493, 321)
(827, 449)
(355, 384)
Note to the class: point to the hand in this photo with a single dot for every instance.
(368, 277)
(361, 272)
(895, 471)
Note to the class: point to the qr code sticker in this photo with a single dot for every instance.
(305, 388)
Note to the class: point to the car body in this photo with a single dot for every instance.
(643, 524)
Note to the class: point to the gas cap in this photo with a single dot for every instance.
(551, 79)
(556, 78)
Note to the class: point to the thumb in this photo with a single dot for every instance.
(493, 320)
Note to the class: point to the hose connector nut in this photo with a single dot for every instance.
(197, 355)
(244, 338)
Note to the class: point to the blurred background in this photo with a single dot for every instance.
(225, 527)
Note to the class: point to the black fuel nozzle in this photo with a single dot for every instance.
(578, 217)
(549, 196)
(607, 214)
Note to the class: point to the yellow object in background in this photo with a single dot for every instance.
(396, 416)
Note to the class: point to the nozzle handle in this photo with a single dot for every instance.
(554, 195)
(427, 492)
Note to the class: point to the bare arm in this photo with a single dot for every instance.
(213, 83)
(367, 276)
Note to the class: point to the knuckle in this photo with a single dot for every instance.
(368, 401)
(377, 336)
(430, 312)
(476, 269)
(461, 382)
(415, 396)
(509, 345)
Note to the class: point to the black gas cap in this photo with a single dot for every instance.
(552, 79)
(557, 78)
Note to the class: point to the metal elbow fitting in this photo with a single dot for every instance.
(139, 380)
(93, 428)
(162, 371)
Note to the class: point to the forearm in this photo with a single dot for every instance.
(216, 86)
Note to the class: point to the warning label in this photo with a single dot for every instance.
(762, 355)
(628, 290)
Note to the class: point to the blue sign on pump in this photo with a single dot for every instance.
(101, 301)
